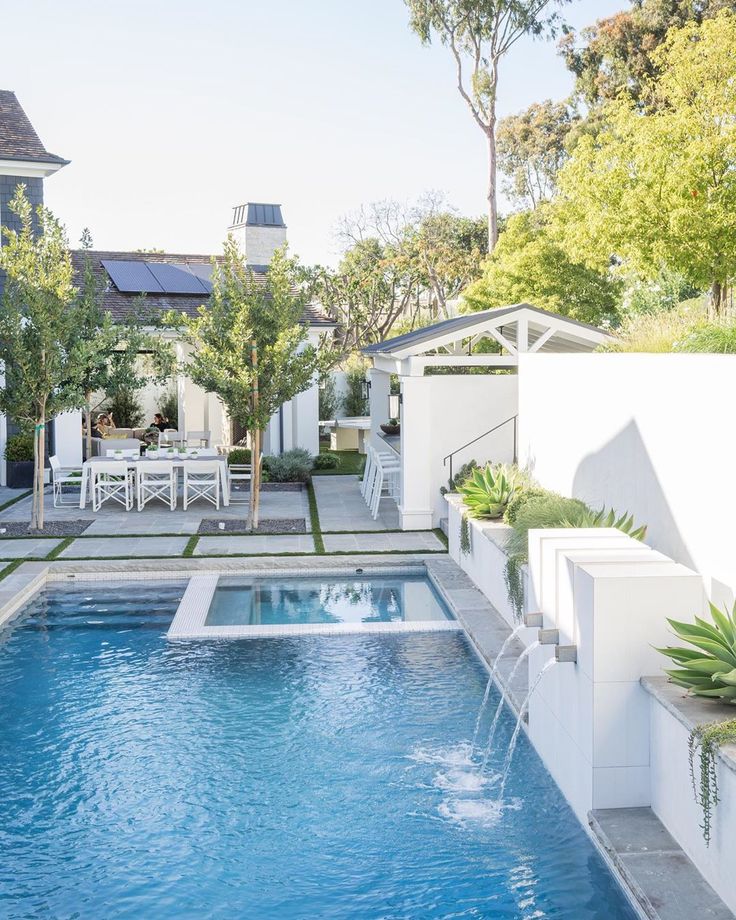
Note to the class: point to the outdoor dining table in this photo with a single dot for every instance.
(86, 488)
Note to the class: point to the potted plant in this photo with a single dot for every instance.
(19, 461)
(391, 427)
(152, 451)
(118, 454)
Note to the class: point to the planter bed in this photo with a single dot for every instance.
(50, 529)
(211, 526)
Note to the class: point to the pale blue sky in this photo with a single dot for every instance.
(173, 111)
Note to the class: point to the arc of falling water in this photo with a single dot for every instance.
(499, 708)
(517, 729)
(496, 661)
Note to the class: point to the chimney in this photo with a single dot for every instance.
(260, 230)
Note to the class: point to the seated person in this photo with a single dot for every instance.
(159, 422)
(103, 426)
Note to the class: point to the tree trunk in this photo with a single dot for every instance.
(717, 297)
(255, 447)
(34, 505)
(492, 198)
(256, 467)
(88, 425)
(41, 464)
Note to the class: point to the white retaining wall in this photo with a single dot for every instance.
(647, 433)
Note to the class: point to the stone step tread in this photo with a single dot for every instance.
(445, 526)
(661, 877)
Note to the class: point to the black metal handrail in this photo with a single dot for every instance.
(490, 431)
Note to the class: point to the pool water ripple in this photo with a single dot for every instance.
(318, 777)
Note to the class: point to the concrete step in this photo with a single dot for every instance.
(661, 879)
(444, 526)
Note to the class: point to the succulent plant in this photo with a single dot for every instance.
(708, 669)
(590, 518)
(488, 491)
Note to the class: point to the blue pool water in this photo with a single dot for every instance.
(242, 601)
(310, 777)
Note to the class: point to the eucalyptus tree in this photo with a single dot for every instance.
(479, 34)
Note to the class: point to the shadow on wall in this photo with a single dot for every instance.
(621, 474)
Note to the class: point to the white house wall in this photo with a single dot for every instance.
(648, 434)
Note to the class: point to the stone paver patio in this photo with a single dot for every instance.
(27, 547)
(342, 507)
(227, 546)
(101, 548)
(383, 542)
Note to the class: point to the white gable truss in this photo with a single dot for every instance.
(517, 328)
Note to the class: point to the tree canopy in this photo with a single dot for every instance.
(659, 190)
(528, 265)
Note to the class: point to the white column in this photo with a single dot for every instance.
(379, 393)
(415, 505)
(68, 438)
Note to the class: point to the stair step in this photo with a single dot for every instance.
(445, 526)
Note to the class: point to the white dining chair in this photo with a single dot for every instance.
(65, 476)
(112, 480)
(156, 479)
(168, 437)
(240, 473)
(201, 480)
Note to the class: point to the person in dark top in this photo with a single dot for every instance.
(159, 422)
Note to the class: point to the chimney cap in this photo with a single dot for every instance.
(257, 214)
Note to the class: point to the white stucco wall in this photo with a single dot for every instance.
(648, 434)
(438, 415)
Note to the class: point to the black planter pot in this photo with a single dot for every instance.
(391, 429)
(19, 474)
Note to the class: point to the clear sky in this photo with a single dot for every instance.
(174, 111)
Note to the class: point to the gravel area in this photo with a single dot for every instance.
(50, 529)
(211, 526)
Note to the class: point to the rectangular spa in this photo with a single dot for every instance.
(289, 778)
(343, 603)
(241, 601)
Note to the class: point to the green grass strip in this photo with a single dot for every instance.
(319, 543)
(11, 568)
(57, 550)
(191, 545)
(18, 498)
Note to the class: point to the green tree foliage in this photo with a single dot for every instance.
(659, 190)
(42, 344)
(355, 402)
(529, 266)
(616, 55)
(249, 345)
(532, 148)
(479, 33)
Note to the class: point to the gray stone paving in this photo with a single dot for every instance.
(664, 881)
(157, 519)
(342, 507)
(383, 542)
(224, 546)
(100, 547)
(7, 494)
(28, 548)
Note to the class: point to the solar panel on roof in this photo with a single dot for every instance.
(268, 215)
(203, 272)
(175, 278)
(131, 277)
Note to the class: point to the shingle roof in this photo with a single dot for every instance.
(121, 305)
(18, 138)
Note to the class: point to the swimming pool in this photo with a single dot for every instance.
(309, 777)
(239, 601)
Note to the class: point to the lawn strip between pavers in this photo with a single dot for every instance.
(62, 545)
(319, 543)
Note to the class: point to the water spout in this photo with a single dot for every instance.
(517, 728)
(496, 661)
(499, 708)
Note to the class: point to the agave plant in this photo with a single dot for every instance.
(488, 491)
(708, 669)
(587, 517)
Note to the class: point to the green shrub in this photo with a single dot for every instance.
(459, 478)
(354, 402)
(291, 466)
(19, 448)
(126, 409)
(330, 400)
(520, 498)
(487, 492)
(547, 509)
(169, 407)
(326, 462)
(239, 455)
(714, 338)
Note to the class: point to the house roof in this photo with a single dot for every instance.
(122, 304)
(567, 335)
(18, 138)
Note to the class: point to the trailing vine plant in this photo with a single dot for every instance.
(464, 535)
(707, 739)
(514, 585)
